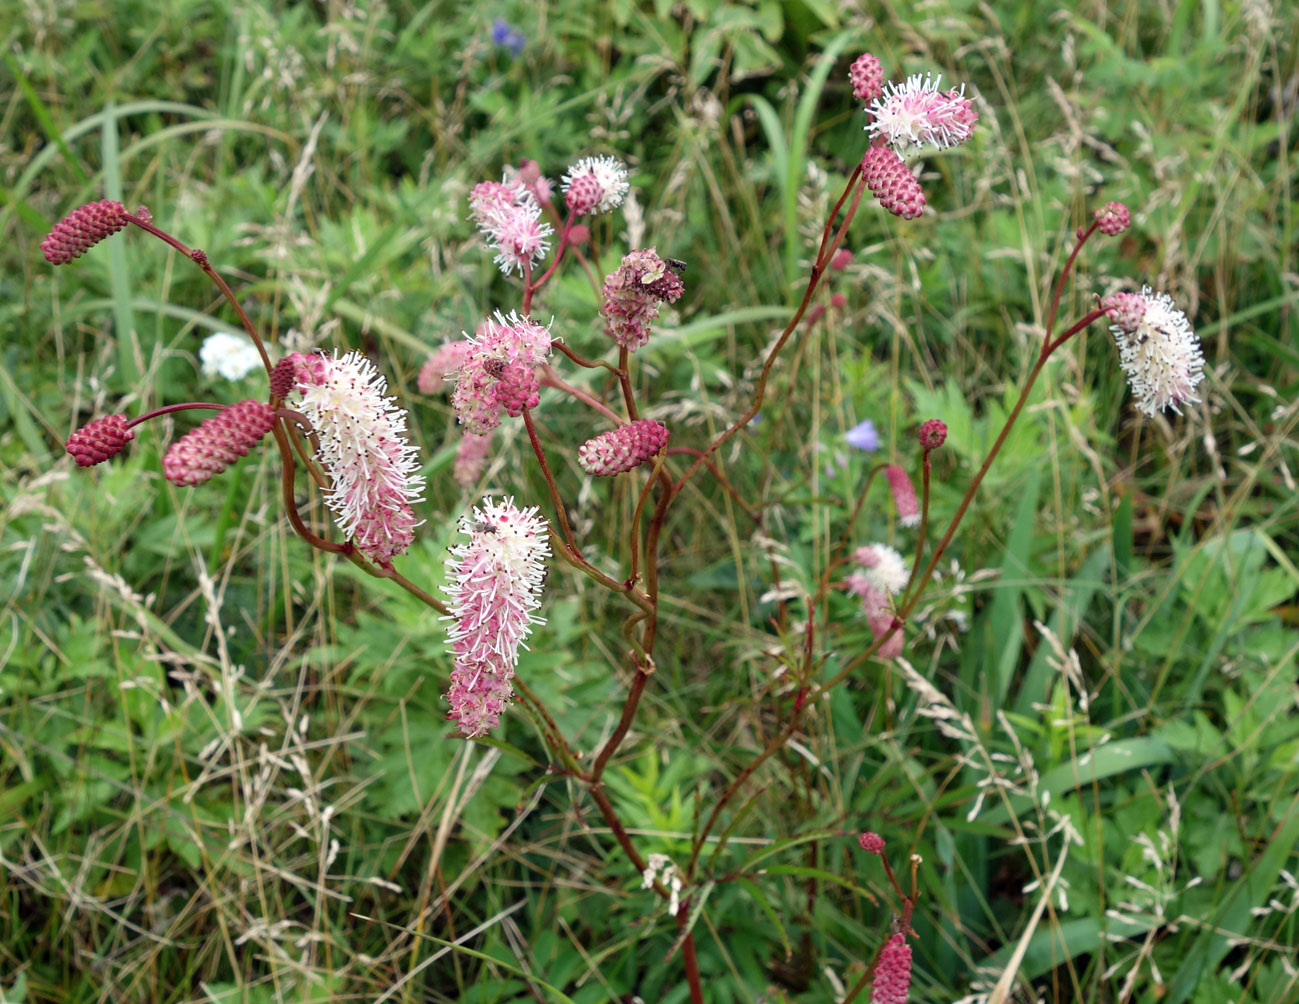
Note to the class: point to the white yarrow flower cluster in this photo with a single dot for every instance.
(230, 356)
(494, 586)
(363, 448)
(670, 877)
(1161, 355)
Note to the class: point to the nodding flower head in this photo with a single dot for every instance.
(633, 293)
(1158, 351)
(867, 77)
(498, 345)
(622, 449)
(892, 981)
(100, 440)
(916, 114)
(82, 229)
(372, 468)
(216, 444)
(509, 216)
(891, 181)
(494, 584)
(595, 185)
(932, 434)
(1113, 218)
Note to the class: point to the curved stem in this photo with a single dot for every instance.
(168, 409)
(200, 259)
(549, 378)
(818, 269)
(624, 378)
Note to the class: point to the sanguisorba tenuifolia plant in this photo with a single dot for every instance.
(330, 415)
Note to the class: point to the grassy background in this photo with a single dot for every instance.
(227, 774)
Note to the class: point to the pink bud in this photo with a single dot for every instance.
(841, 260)
(838, 301)
(893, 972)
(904, 495)
(1126, 310)
(99, 440)
(892, 183)
(1113, 218)
(867, 77)
(579, 235)
(82, 229)
(932, 434)
(871, 843)
(623, 449)
(583, 195)
(217, 443)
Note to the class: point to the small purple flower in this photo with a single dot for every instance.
(863, 436)
(508, 37)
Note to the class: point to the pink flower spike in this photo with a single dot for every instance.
(363, 448)
(881, 622)
(867, 77)
(916, 114)
(904, 495)
(892, 183)
(885, 568)
(517, 388)
(892, 981)
(100, 440)
(471, 457)
(583, 195)
(1113, 218)
(509, 216)
(494, 586)
(622, 449)
(871, 843)
(499, 344)
(82, 229)
(1161, 355)
(216, 444)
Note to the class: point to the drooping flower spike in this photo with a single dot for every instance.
(622, 449)
(363, 448)
(497, 372)
(904, 495)
(892, 982)
(100, 440)
(208, 450)
(633, 294)
(82, 229)
(494, 586)
(1158, 350)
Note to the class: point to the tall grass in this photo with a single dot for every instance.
(227, 773)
